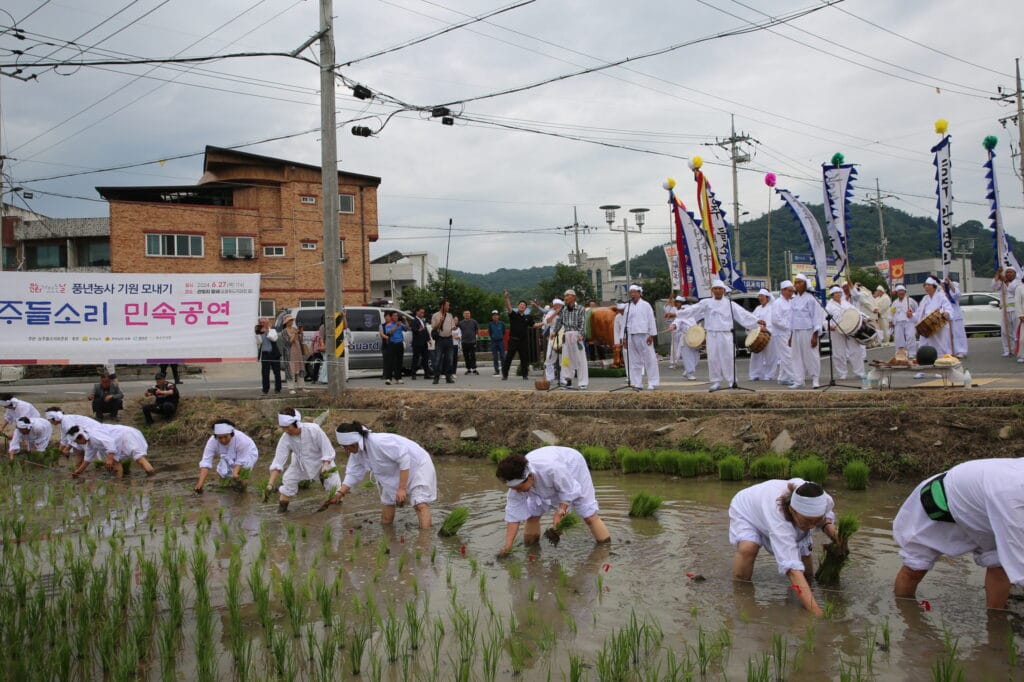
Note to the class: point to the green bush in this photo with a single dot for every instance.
(598, 457)
(692, 464)
(667, 461)
(730, 468)
(856, 473)
(770, 466)
(498, 454)
(811, 469)
(693, 444)
(634, 462)
(643, 504)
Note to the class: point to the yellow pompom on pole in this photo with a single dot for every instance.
(941, 126)
(696, 162)
(669, 184)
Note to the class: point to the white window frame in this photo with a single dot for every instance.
(267, 302)
(276, 251)
(312, 303)
(308, 246)
(237, 251)
(306, 199)
(162, 236)
(351, 199)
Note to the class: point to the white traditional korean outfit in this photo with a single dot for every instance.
(903, 334)
(764, 366)
(939, 340)
(638, 324)
(718, 315)
(387, 455)
(79, 420)
(1008, 322)
(308, 451)
(121, 441)
(18, 409)
(806, 316)
(240, 450)
(780, 324)
(37, 438)
(560, 475)
(847, 354)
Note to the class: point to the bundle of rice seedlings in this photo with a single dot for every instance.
(836, 553)
(456, 518)
(568, 522)
(598, 457)
(770, 466)
(633, 462)
(498, 454)
(730, 468)
(667, 461)
(856, 473)
(644, 504)
(810, 469)
(692, 464)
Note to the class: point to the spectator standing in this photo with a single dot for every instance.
(166, 399)
(293, 353)
(496, 330)
(470, 329)
(270, 355)
(442, 323)
(174, 371)
(395, 329)
(519, 323)
(420, 343)
(456, 344)
(106, 397)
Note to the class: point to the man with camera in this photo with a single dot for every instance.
(166, 399)
(270, 355)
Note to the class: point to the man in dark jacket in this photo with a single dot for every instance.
(270, 355)
(470, 328)
(519, 324)
(420, 341)
(106, 397)
(166, 403)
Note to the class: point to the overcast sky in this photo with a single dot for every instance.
(867, 78)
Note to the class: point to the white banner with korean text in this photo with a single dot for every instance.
(52, 318)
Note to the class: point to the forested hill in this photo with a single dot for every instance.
(507, 279)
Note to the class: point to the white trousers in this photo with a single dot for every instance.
(720, 355)
(294, 475)
(959, 337)
(549, 361)
(904, 336)
(847, 355)
(575, 349)
(1008, 338)
(785, 354)
(806, 360)
(764, 365)
(940, 341)
(642, 359)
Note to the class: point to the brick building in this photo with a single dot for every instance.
(248, 213)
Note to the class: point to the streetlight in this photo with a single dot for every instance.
(638, 217)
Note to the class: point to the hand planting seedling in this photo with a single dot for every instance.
(836, 553)
(567, 522)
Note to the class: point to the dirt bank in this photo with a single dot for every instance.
(900, 433)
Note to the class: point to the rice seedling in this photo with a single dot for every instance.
(869, 650)
(261, 597)
(837, 553)
(515, 570)
(667, 461)
(490, 651)
(359, 635)
(282, 656)
(325, 600)
(830, 609)
(598, 457)
(886, 635)
(850, 671)
(437, 633)
(1011, 648)
(498, 454)
(414, 621)
(810, 468)
(947, 666)
(634, 462)
(780, 656)
(453, 522)
(770, 466)
(577, 670)
(517, 654)
(643, 505)
(392, 632)
(566, 523)
(856, 473)
(759, 669)
(730, 468)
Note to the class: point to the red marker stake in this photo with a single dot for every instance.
(925, 604)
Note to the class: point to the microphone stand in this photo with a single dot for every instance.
(625, 350)
(831, 367)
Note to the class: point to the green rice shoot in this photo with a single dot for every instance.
(635, 462)
(770, 466)
(454, 522)
(498, 454)
(811, 468)
(847, 525)
(643, 505)
(599, 458)
(568, 522)
(730, 468)
(856, 473)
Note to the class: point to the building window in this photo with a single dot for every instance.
(346, 203)
(311, 303)
(236, 247)
(341, 251)
(273, 251)
(180, 245)
(93, 254)
(10, 258)
(307, 199)
(268, 308)
(38, 256)
(309, 246)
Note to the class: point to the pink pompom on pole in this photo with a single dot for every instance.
(770, 179)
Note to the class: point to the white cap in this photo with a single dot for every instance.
(880, 288)
(636, 287)
(222, 429)
(557, 301)
(569, 292)
(516, 481)
(931, 280)
(786, 284)
(717, 284)
(495, 312)
(620, 306)
(289, 420)
(900, 287)
(681, 299)
(764, 292)
(801, 277)
(835, 290)
(54, 414)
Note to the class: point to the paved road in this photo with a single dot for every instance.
(988, 369)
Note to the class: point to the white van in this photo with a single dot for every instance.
(364, 323)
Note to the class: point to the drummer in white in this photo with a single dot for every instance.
(719, 314)
(847, 354)
(807, 319)
(934, 301)
(686, 356)
(903, 309)
(765, 363)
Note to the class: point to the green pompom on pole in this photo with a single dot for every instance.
(990, 142)
(837, 159)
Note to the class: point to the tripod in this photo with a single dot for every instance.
(831, 366)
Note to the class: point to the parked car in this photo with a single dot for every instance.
(982, 312)
(364, 323)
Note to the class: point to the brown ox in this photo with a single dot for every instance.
(602, 332)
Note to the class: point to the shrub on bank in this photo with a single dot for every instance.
(599, 458)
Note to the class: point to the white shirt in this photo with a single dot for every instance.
(900, 308)
(18, 409)
(836, 309)
(718, 314)
(38, 430)
(309, 450)
(928, 304)
(1011, 289)
(240, 450)
(805, 312)
(764, 312)
(782, 317)
(638, 318)
(114, 439)
(387, 455)
(79, 420)
(556, 479)
(620, 326)
(758, 505)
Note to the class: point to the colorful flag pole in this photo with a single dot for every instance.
(692, 246)
(838, 189)
(944, 196)
(716, 228)
(813, 233)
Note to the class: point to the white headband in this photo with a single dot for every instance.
(82, 433)
(636, 287)
(717, 284)
(222, 429)
(24, 423)
(7, 403)
(835, 290)
(681, 299)
(764, 292)
(348, 437)
(900, 287)
(516, 481)
(557, 301)
(54, 414)
(802, 278)
(931, 280)
(786, 284)
(289, 420)
(811, 507)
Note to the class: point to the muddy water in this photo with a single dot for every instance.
(568, 599)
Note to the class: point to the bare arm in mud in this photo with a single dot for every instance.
(403, 485)
(511, 530)
(798, 581)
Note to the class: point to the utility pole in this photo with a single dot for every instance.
(333, 287)
(577, 255)
(736, 156)
(1018, 118)
(883, 242)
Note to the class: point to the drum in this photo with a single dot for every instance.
(757, 339)
(932, 322)
(855, 326)
(695, 336)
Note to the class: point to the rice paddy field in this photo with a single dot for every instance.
(109, 580)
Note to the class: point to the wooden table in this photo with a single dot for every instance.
(886, 373)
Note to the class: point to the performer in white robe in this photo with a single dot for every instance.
(15, 409)
(781, 321)
(1005, 284)
(1018, 302)
(619, 332)
(974, 507)
(312, 457)
(671, 309)
(686, 357)
(64, 422)
(111, 443)
(552, 349)
(934, 299)
(764, 366)
(403, 470)
(548, 478)
(236, 450)
(903, 333)
(847, 354)
(956, 319)
(31, 434)
(882, 304)
(718, 313)
(639, 336)
(780, 516)
(807, 320)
